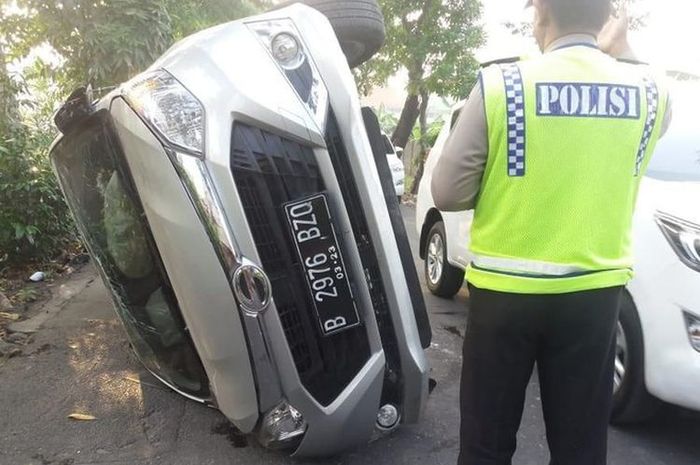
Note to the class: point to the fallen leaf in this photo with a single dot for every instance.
(81, 417)
(9, 316)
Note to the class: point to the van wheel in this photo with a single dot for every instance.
(358, 24)
(443, 279)
(632, 403)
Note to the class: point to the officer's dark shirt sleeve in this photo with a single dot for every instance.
(457, 176)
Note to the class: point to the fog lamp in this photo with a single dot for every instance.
(284, 42)
(286, 50)
(387, 417)
(692, 324)
(282, 427)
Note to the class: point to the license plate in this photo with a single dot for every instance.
(317, 246)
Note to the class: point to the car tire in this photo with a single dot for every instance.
(442, 279)
(358, 24)
(632, 403)
(399, 198)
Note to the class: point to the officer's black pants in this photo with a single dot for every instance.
(572, 339)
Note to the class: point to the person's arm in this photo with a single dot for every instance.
(613, 41)
(457, 176)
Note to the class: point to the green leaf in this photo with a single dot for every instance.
(20, 231)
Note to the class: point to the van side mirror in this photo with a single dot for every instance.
(77, 107)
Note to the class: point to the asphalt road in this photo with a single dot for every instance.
(81, 362)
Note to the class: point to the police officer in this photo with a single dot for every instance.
(549, 152)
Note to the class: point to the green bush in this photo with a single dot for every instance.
(34, 220)
(35, 224)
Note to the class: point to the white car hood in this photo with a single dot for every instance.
(680, 199)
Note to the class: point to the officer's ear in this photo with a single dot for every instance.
(543, 13)
(541, 21)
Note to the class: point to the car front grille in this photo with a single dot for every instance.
(270, 171)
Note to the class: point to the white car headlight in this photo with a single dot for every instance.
(692, 324)
(684, 238)
(169, 108)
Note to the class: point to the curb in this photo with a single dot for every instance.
(58, 301)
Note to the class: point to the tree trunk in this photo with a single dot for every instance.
(9, 114)
(407, 120)
(424, 149)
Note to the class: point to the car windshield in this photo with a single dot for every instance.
(677, 156)
(99, 189)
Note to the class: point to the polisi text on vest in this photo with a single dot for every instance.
(588, 100)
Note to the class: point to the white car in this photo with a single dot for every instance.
(658, 348)
(398, 174)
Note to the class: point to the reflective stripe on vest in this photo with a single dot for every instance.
(528, 267)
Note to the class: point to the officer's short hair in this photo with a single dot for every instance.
(580, 14)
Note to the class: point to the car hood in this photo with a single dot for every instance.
(680, 199)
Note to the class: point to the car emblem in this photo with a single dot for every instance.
(252, 288)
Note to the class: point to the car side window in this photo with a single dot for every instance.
(388, 146)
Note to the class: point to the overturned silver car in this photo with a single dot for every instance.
(238, 204)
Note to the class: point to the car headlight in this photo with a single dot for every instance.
(683, 236)
(282, 39)
(169, 108)
(692, 324)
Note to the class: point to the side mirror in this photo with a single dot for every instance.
(77, 107)
(399, 152)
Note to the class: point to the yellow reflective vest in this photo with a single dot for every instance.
(570, 136)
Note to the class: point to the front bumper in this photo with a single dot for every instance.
(256, 361)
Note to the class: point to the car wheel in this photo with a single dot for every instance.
(358, 24)
(632, 403)
(443, 279)
(398, 197)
